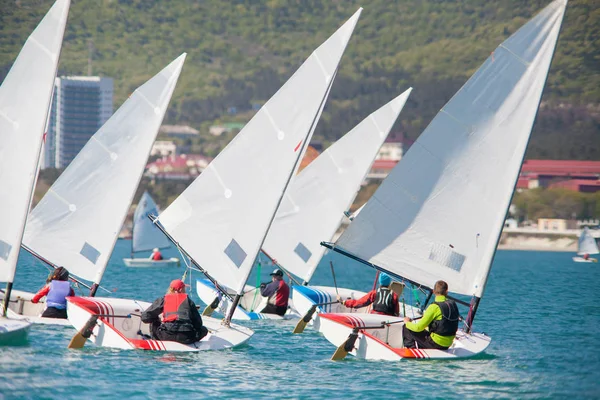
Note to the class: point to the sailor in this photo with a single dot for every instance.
(56, 291)
(181, 321)
(156, 256)
(384, 300)
(441, 317)
(278, 293)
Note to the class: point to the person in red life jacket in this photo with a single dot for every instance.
(384, 300)
(278, 293)
(156, 256)
(56, 291)
(586, 256)
(181, 321)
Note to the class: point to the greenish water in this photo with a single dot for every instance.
(540, 309)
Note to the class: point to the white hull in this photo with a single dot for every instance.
(386, 343)
(583, 260)
(252, 300)
(148, 263)
(13, 331)
(304, 297)
(21, 307)
(122, 333)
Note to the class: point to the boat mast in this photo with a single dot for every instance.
(313, 124)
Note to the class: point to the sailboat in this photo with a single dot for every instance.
(313, 208)
(440, 212)
(25, 98)
(146, 236)
(586, 246)
(77, 222)
(236, 198)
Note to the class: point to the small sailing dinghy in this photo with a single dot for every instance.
(314, 207)
(222, 218)
(77, 222)
(440, 212)
(586, 247)
(146, 236)
(25, 98)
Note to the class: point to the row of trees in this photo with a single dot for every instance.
(556, 203)
(241, 51)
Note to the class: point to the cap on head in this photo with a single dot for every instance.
(177, 284)
(276, 272)
(61, 274)
(155, 249)
(384, 279)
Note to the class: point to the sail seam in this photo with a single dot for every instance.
(271, 120)
(145, 99)
(525, 63)
(43, 48)
(101, 145)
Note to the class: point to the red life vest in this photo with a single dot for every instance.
(282, 295)
(171, 307)
(157, 256)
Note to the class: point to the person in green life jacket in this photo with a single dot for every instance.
(441, 318)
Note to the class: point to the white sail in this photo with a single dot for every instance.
(587, 244)
(146, 235)
(24, 102)
(76, 224)
(315, 202)
(440, 212)
(221, 219)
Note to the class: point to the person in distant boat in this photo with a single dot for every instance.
(181, 321)
(156, 256)
(278, 293)
(384, 300)
(56, 291)
(441, 317)
(586, 256)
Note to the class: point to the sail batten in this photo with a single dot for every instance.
(25, 97)
(222, 218)
(77, 223)
(439, 213)
(314, 204)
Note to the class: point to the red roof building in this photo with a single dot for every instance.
(569, 174)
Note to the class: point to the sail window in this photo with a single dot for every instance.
(4, 249)
(235, 253)
(303, 252)
(90, 252)
(444, 255)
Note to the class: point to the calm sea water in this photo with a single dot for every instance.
(540, 309)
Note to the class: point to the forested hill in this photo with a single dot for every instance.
(241, 51)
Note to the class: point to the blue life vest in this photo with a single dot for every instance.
(56, 296)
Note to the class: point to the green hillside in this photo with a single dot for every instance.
(241, 51)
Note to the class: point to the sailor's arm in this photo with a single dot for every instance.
(151, 314)
(421, 324)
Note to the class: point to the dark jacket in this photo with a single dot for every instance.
(188, 317)
(278, 293)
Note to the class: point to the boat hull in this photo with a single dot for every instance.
(127, 333)
(21, 307)
(583, 260)
(304, 297)
(148, 263)
(251, 300)
(386, 343)
(13, 331)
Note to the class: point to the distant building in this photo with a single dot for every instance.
(163, 148)
(179, 131)
(391, 151)
(553, 224)
(582, 176)
(181, 167)
(380, 169)
(80, 106)
(218, 130)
